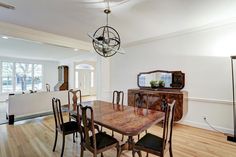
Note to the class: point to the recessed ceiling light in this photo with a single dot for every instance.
(76, 49)
(5, 37)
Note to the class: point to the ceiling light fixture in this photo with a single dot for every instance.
(106, 40)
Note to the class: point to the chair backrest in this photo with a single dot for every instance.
(74, 97)
(56, 106)
(88, 126)
(118, 98)
(168, 123)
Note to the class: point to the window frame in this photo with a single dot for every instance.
(14, 75)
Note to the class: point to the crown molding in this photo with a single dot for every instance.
(213, 25)
(24, 33)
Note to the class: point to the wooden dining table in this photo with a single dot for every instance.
(127, 120)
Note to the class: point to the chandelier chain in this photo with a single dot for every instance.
(107, 11)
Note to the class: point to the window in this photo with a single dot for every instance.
(37, 78)
(84, 66)
(7, 77)
(21, 77)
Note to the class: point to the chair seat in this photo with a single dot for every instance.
(150, 141)
(70, 126)
(103, 140)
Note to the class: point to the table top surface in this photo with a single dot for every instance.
(128, 120)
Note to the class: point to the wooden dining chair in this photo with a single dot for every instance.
(158, 145)
(98, 142)
(74, 98)
(118, 99)
(139, 101)
(65, 128)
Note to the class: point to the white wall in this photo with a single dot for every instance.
(202, 55)
(103, 78)
(50, 72)
(102, 73)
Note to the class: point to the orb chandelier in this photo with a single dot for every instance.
(106, 40)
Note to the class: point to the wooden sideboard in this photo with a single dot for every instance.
(154, 99)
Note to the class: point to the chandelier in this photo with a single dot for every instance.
(106, 40)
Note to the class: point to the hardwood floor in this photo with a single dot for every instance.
(34, 138)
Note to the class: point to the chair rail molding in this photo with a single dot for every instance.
(209, 100)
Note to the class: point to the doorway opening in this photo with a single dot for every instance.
(85, 78)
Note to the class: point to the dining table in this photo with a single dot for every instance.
(126, 120)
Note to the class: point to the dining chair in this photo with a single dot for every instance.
(65, 128)
(98, 142)
(139, 101)
(74, 98)
(118, 99)
(158, 145)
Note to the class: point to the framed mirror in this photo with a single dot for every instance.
(160, 79)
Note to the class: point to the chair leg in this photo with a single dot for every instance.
(74, 137)
(138, 136)
(63, 145)
(147, 154)
(122, 138)
(118, 150)
(101, 154)
(81, 137)
(139, 153)
(76, 134)
(81, 151)
(55, 141)
(170, 149)
(133, 153)
(112, 133)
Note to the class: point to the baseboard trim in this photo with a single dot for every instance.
(205, 126)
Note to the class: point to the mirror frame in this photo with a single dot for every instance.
(179, 73)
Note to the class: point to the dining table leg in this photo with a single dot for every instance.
(128, 145)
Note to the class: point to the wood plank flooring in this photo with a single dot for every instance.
(34, 138)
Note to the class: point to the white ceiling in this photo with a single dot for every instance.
(19, 48)
(134, 19)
